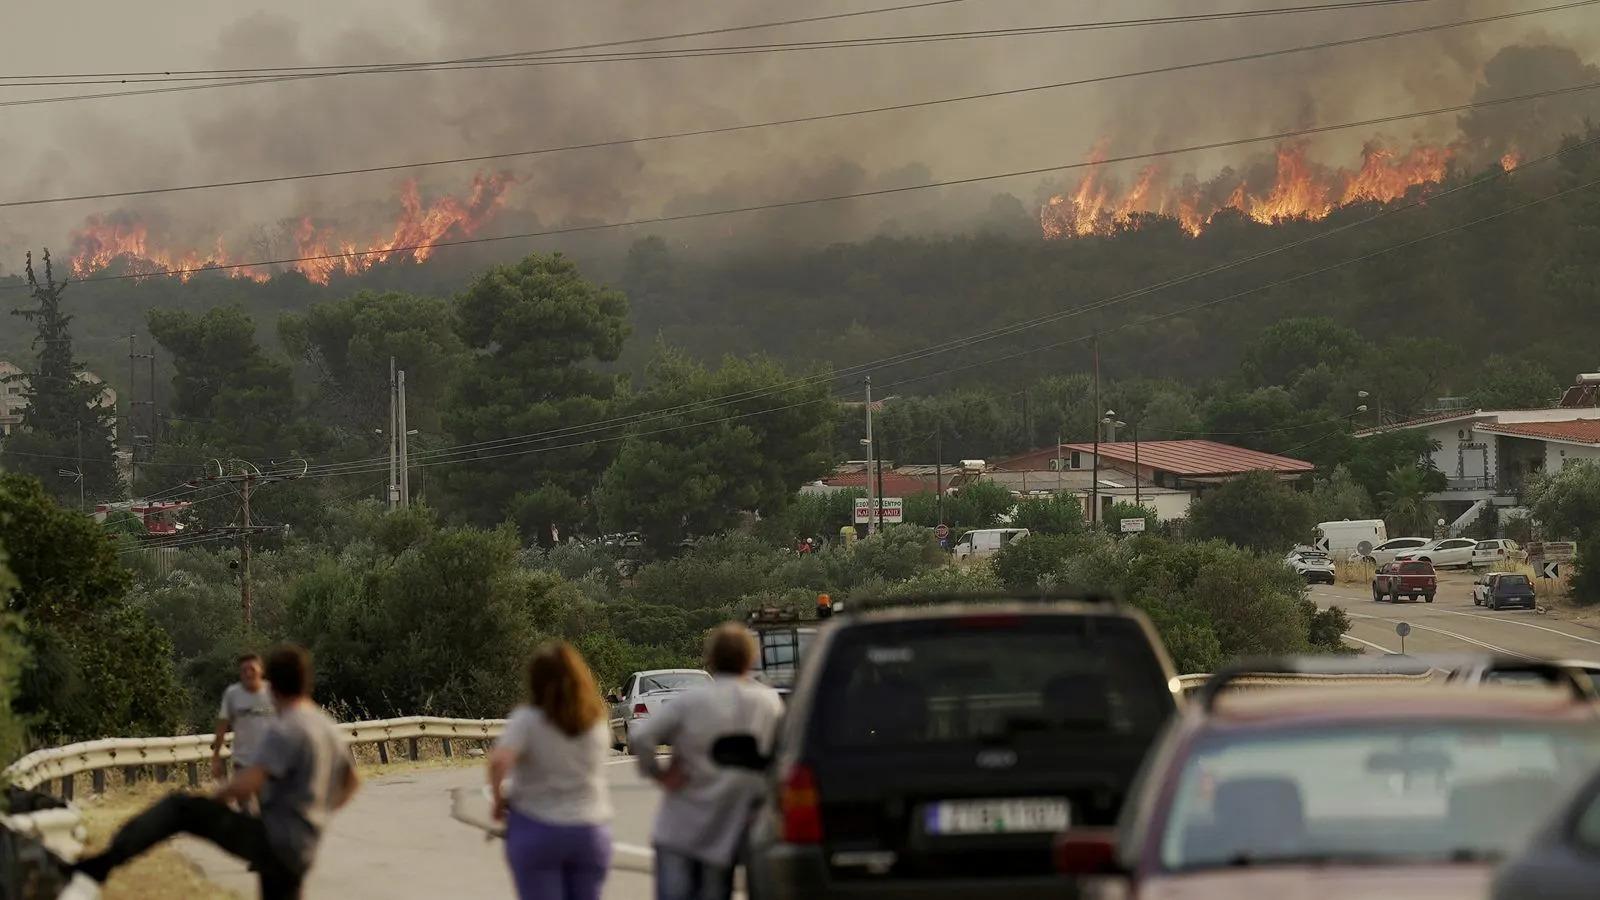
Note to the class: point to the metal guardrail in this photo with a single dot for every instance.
(41, 766)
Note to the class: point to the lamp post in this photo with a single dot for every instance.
(1110, 418)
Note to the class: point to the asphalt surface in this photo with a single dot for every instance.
(396, 840)
(1451, 624)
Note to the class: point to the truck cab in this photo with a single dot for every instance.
(782, 638)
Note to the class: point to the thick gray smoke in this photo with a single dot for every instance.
(362, 120)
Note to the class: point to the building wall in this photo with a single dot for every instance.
(1558, 455)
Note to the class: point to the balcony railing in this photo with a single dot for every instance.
(1470, 483)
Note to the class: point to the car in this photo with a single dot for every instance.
(783, 640)
(1352, 538)
(1312, 565)
(1499, 590)
(1443, 553)
(1562, 861)
(1353, 792)
(645, 693)
(1405, 579)
(1389, 550)
(933, 747)
(1497, 552)
(984, 542)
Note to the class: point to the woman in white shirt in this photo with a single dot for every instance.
(557, 808)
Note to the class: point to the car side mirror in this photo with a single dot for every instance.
(613, 698)
(739, 751)
(1086, 851)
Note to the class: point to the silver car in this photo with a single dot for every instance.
(646, 693)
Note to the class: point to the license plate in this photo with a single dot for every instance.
(1018, 816)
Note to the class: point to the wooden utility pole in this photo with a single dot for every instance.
(870, 454)
(394, 444)
(246, 603)
(1094, 512)
(405, 456)
(248, 480)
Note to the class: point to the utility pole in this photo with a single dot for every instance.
(871, 453)
(1094, 512)
(82, 504)
(405, 458)
(1058, 461)
(246, 603)
(133, 403)
(394, 478)
(246, 482)
(877, 465)
(1137, 500)
(938, 469)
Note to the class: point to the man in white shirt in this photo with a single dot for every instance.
(707, 807)
(246, 711)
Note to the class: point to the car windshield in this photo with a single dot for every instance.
(1416, 568)
(1063, 680)
(671, 681)
(783, 647)
(1392, 793)
(1512, 584)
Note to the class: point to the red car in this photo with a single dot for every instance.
(1410, 579)
(1348, 792)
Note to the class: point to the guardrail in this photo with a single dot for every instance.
(189, 750)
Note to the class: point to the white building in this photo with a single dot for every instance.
(13, 399)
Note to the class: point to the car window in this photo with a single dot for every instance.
(1054, 679)
(1456, 544)
(1506, 584)
(1486, 545)
(672, 681)
(1416, 568)
(1405, 792)
(627, 690)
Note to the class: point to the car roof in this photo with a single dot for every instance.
(1310, 706)
(672, 672)
(957, 608)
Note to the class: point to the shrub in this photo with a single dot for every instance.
(1056, 514)
(1255, 511)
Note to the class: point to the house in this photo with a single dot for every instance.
(1163, 475)
(898, 481)
(1487, 456)
(14, 401)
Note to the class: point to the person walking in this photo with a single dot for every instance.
(707, 807)
(556, 804)
(301, 774)
(247, 712)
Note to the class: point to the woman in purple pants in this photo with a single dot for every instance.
(556, 806)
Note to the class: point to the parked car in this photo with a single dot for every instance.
(1410, 580)
(1498, 590)
(1347, 792)
(1312, 565)
(934, 750)
(1497, 552)
(1351, 537)
(982, 542)
(1562, 861)
(1391, 549)
(1443, 554)
(645, 693)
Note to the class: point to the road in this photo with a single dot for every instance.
(396, 840)
(1451, 624)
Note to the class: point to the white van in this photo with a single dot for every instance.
(1350, 537)
(986, 541)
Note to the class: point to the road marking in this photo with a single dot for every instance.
(1357, 640)
(1489, 617)
(1460, 637)
(633, 849)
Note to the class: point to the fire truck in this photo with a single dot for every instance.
(783, 636)
(160, 517)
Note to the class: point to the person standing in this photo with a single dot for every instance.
(247, 712)
(707, 807)
(558, 807)
(301, 774)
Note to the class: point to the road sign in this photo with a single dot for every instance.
(893, 509)
(1402, 629)
(1133, 526)
(1321, 544)
(1550, 570)
(1552, 551)
(942, 532)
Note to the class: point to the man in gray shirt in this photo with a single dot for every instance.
(302, 773)
(247, 712)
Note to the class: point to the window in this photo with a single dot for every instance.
(1077, 459)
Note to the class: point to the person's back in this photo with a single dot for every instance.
(306, 760)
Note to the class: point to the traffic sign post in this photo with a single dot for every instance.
(893, 510)
(1321, 544)
(1133, 525)
(1402, 629)
(941, 532)
(1550, 570)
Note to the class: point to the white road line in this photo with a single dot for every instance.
(633, 849)
(1490, 617)
(1357, 640)
(1460, 637)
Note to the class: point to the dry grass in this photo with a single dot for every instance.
(160, 874)
(1349, 571)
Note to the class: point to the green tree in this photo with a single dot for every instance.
(1288, 347)
(1127, 509)
(979, 504)
(533, 330)
(65, 423)
(97, 666)
(1507, 382)
(1056, 514)
(704, 461)
(1339, 496)
(1567, 502)
(1256, 511)
(1406, 509)
(13, 658)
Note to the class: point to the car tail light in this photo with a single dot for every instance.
(1086, 851)
(802, 813)
(639, 709)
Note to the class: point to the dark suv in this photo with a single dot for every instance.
(931, 751)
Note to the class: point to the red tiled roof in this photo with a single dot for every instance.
(894, 484)
(1196, 457)
(1580, 431)
(1449, 415)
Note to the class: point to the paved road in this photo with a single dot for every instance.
(1451, 624)
(396, 840)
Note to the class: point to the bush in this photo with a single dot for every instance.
(1035, 561)
(1056, 514)
(1122, 509)
(1586, 581)
(978, 505)
(1256, 511)
(896, 553)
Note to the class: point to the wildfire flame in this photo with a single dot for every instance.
(104, 240)
(1297, 188)
(1511, 160)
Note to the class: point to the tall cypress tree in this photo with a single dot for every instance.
(64, 422)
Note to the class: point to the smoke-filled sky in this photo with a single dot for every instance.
(241, 132)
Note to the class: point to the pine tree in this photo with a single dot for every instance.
(64, 425)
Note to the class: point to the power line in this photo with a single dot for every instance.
(1276, 283)
(270, 75)
(796, 120)
(969, 340)
(857, 195)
